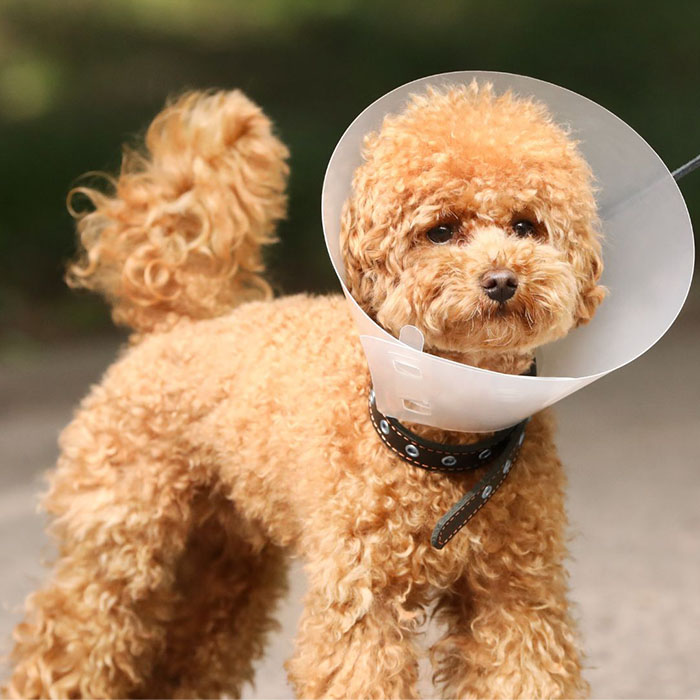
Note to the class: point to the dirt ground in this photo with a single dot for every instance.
(631, 443)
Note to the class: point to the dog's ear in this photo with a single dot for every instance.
(363, 255)
(591, 264)
(590, 299)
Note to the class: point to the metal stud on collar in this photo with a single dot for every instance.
(412, 450)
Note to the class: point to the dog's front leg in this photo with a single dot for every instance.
(503, 646)
(356, 633)
(509, 633)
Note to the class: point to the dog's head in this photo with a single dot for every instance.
(473, 218)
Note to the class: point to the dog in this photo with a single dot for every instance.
(234, 429)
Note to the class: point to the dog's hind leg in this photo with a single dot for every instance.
(121, 498)
(228, 586)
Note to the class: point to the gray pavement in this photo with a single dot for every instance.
(631, 443)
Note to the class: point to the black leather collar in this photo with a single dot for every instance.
(497, 453)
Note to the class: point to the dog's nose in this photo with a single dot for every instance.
(499, 284)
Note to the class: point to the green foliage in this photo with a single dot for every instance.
(79, 77)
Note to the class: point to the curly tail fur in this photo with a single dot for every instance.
(181, 233)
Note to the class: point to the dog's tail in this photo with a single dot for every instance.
(181, 231)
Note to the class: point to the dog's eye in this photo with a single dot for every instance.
(523, 227)
(440, 234)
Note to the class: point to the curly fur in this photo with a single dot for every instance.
(182, 233)
(213, 446)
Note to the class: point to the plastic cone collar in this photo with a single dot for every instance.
(648, 253)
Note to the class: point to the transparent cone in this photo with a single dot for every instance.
(648, 254)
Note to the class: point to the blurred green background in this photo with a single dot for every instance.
(80, 77)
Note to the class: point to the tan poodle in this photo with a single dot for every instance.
(223, 440)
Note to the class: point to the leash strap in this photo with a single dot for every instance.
(498, 452)
(475, 499)
(687, 168)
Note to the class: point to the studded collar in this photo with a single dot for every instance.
(497, 453)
